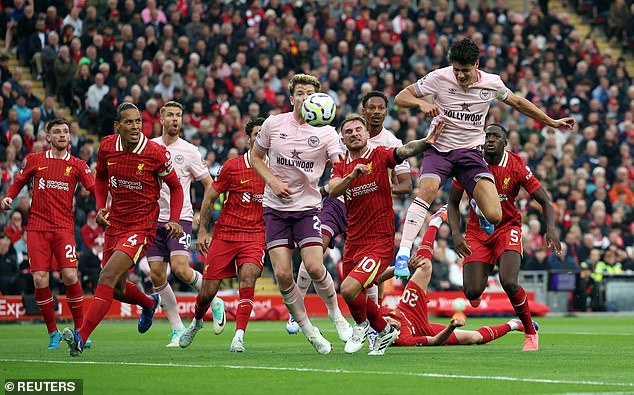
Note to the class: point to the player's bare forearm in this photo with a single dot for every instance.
(552, 235)
(441, 337)
(257, 161)
(406, 98)
(211, 195)
(403, 185)
(386, 275)
(529, 109)
(412, 148)
(338, 186)
(453, 209)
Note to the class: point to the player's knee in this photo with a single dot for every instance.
(472, 293)
(181, 271)
(40, 279)
(494, 216)
(248, 282)
(69, 278)
(284, 279)
(349, 292)
(510, 287)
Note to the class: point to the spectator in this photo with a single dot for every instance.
(9, 269)
(91, 231)
(14, 229)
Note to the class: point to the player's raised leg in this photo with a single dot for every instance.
(509, 267)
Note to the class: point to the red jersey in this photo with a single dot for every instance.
(54, 183)
(510, 174)
(134, 181)
(369, 197)
(242, 217)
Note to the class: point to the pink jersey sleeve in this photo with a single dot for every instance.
(501, 91)
(197, 166)
(333, 143)
(263, 139)
(427, 85)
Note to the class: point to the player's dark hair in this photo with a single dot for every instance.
(56, 121)
(505, 133)
(123, 107)
(353, 117)
(253, 123)
(172, 103)
(372, 94)
(464, 52)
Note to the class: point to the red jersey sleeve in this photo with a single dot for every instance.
(526, 177)
(85, 176)
(457, 184)
(24, 176)
(338, 169)
(101, 179)
(391, 157)
(222, 183)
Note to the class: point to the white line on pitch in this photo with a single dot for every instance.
(337, 371)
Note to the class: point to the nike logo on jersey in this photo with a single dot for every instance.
(72, 260)
(42, 168)
(111, 163)
(244, 181)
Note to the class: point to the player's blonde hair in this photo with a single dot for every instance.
(303, 79)
(351, 118)
(172, 103)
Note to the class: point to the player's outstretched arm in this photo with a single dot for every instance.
(407, 98)
(442, 336)
(453, 213)
(527, 108)
(552, 235)
(337, 185)
(416, 147)
(279, 188)
(202, 244)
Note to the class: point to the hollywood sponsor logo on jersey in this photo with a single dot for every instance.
(296, 161)
(52, 184)
(464, 114)
(248, 197)
(133, 185)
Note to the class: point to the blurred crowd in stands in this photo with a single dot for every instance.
(230, 61)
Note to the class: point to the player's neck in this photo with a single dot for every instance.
(168, 140)
(58, 154)
(356, 154)
(493, 159)
(298, 118)
(375, 131)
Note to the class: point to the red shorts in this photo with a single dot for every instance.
(413, 314)
(134, 243)
(51, 250)
(365, 263)
(489, 249)
(224, 258)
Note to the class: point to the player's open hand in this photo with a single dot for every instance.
(430, 110)
(567, 123)
(457, 321)
(416, 261)
(431, 138)
(102, 216)
(463, 249)
(202, 244)
(552, 240)
(280, 189)
(359, 170)
(175, 229)
(5, 204)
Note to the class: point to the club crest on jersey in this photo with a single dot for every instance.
(485, 94)
(369, 167)
(139, 168)
(68, 170)
(179, 159)
(505, 185)
(313, 141)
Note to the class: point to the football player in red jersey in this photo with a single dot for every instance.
(51, 227)
(363, 177)
(504, 247)
(237, 246)
(130, 167)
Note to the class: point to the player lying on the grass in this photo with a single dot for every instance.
(410, 316)
(504, 247)
(363, 177)
(188, 166)
(130, 168)
(237, 246)
(50, 231)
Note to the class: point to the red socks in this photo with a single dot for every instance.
(200, 308)
(45, 302)
(490, 333)
(133, 295)
(75, 302)
(245, 306)
(363, 309)
(523, 311)
(98, 309)
(377, 322)
(426, 247)
(357, 308)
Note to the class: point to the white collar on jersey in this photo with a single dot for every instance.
(139, 147)
(247, 159)
(49, 155)
(505, 159)
(366, 154)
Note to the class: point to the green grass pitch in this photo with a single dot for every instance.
(589, 355)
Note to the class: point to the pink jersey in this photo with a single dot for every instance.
(189, 166)
(297, 156)
(464, 111)
(387, 139)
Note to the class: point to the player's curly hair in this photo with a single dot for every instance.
(464, 52)
(253, 123)
(372, 94)
(505, 133)
(303, 79)
(123, 107)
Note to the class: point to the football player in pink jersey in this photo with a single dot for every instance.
(462, 95)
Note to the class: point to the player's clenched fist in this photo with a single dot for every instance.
(6, 203)
(102, 216)
(175, 229)
(430, 110)
(359, 170)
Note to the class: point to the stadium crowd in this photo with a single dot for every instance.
(230, 61)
